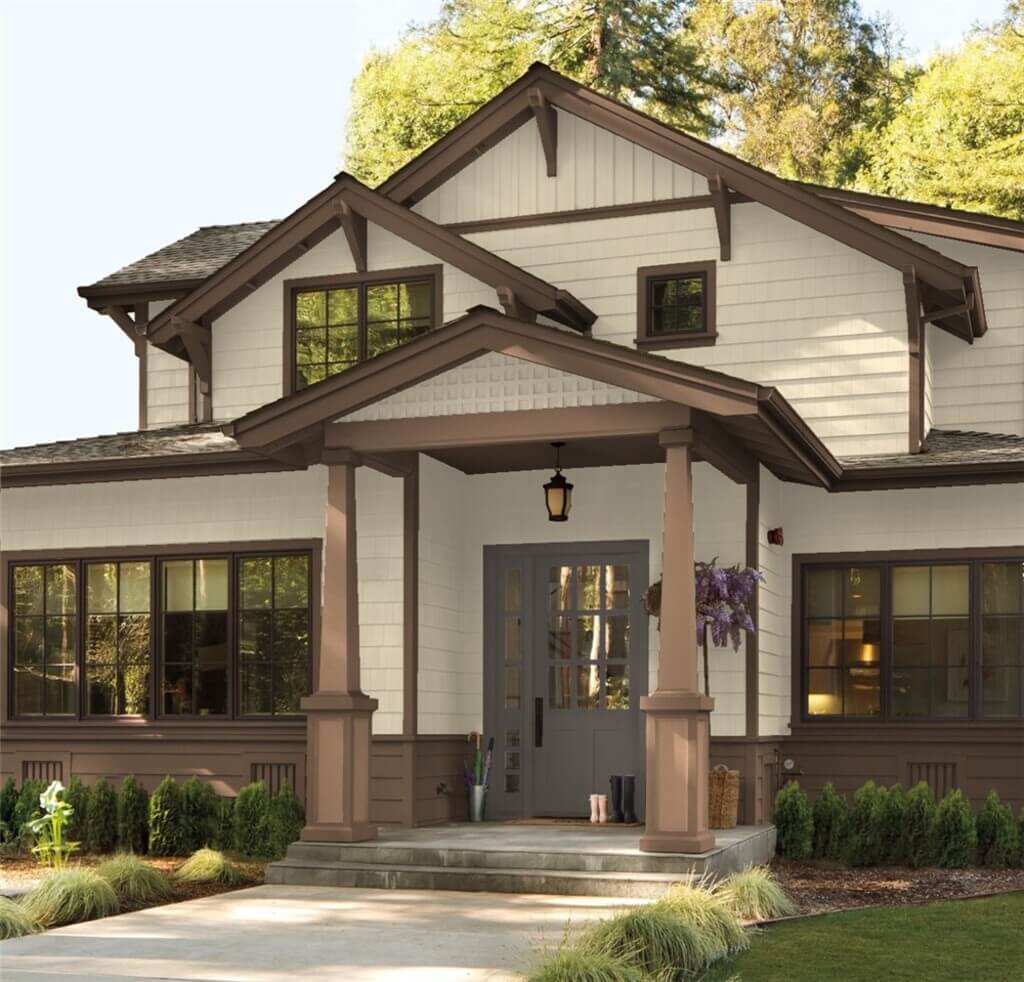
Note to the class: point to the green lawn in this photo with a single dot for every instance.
(944, 942)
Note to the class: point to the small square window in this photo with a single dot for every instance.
(676, 305)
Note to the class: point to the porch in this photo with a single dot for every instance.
(508, 857)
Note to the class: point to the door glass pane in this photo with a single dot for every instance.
(617, 637)
(178, 584)
(911, 642)
(512, 738)
(950, 589)
(559, 638)
(863, 692)
(512, 687)
(101, 587)
(255, 582)
(291, 582)
(513, 648)
(863, 592)
(588, 641)
(616, 681)
(512, 761)
(824, 692)
(134, 587)
(559, 581)
(617, 587)
(1001, 587)
(588, 685)
(911, 591)
(28, 590)
(588, 580)
(513, 588)
(211, 584)
(825, 642)
(824, 593)
(511, 783)
(60, 589)
(559, 694)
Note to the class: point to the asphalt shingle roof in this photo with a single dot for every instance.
(192, 258)
(945, 448)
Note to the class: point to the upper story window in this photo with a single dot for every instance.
(910, 641)
(342, 320)
(676, 305)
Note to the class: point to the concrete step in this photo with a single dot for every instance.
(397, 876)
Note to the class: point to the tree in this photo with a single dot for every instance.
(409, 96)
(806, 79)
(958, 141)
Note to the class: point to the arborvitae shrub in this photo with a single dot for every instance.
(133, 816)
(198, 807)
(956, 836)
(26, 808)
(252, 820)
(1020, 837)
(286, 820)
(166, 835)
(998, 843)
(863, 843)
(77, 795)
(892, 817)
(829, 814)
(920, 825)
(223, 836)
(793, 823)
(8, 802)
(101, 820)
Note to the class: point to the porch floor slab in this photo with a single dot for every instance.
(513, 858)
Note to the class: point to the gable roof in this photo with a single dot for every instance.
(953, 282)
(757, 417)
(320, 216)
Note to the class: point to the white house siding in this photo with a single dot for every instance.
(461, 514)
(929, 379)
(981, 386)
(248, 340)
(595, 168)
(492, 383)
(796, 310)
(817, 522)
(167, 381)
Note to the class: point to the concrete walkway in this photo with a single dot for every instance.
(272, 933)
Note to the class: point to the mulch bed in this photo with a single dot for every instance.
(17, 870)
(819, 887)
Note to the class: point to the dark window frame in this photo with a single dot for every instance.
(156, 555)
(974, 559)
(647, 277)
(433, 274)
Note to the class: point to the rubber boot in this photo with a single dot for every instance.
(595, 815)
(615, 799)
(629, 799)
(602, 808)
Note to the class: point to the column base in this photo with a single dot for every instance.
(678, 730)
(338, 767)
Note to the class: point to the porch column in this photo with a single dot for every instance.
(338, 712)
(678, 714)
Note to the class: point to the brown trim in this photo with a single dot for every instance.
(510, 109)
(723, 215)
(410, 601)
(800, 722)
(916, 363)
(141, 468)
(694, 202)
(155, 554)
(752, 558)
(929, 476)
(318, 217)
(434, 273)
(647, 277)
(126, 294)
(547, 128)
(142, 353)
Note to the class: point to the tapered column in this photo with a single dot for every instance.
(678, 714)
(338, 712)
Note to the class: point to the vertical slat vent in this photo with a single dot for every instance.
(274, 776)
(42, 770)
(940, 776)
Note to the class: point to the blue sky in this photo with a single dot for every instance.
(127, 125)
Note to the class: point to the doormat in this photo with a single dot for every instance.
(574, 823)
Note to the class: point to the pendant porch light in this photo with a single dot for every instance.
(558, 491)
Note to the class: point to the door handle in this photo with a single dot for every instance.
(538, 721)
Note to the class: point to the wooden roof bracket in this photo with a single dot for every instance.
(354, 226)
(514, 306)
(723, 215)
(547, 126)
(915, 362)
(197, 341)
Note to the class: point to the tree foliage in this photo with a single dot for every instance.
(408, 96)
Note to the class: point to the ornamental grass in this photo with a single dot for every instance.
(755, 895)
(70, 896)
(15, 920)
(572, 963)
(208, 866)
(133, 880)
(711, 913)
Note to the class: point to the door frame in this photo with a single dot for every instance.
(496, 718)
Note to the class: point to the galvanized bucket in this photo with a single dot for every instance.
(477, 798)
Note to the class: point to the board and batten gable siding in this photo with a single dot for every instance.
(796, 309)
(981, 386)
(167, 380)
(595, 168)
(248, 339)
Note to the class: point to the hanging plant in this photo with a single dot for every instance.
(724, 596)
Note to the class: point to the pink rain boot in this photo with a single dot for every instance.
(602, 808)
(594, 809)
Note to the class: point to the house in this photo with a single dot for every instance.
(326, 554)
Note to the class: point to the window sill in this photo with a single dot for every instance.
(680, 341)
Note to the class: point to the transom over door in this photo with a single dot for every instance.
(570, 636)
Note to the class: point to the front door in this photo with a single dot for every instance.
(567, 662)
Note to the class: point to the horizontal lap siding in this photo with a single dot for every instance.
(981, 386)
(595, 168)
(774, 598)
(167, 402)
(248, 340)
(795, 309)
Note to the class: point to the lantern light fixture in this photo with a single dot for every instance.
(558, 491)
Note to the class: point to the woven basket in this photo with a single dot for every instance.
(723, 797)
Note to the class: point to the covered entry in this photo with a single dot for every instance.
(565, 648)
